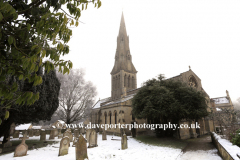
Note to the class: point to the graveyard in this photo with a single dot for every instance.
(95, 146)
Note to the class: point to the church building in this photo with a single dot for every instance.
(117, 108)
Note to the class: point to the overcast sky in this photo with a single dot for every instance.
(166, 36)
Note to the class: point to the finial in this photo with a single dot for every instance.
(189, 68)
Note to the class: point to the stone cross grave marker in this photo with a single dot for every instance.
(124, 142)
(8, 143)
(92, 139)
(42, 135)
(104, 135)
(64, 145)
(22, 148)
(81, 148)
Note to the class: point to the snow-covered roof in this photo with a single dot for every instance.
(121, 100)
(97, 105)
(36, 127)
(23, 126)
(220, 100)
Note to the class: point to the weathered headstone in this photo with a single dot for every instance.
(69, 134)
(37, 132)
(42, 135)
(0, 148)
(64, 145)
(12, 129)
(22, 148)
(8, 143)
(59, 134)
(76, 133)
(55, 132)
(16, 134)
(92, 139)
(87, 134)
(52, 134)
(104, 135)
(81, 148)
(124, 142)
(30, 133)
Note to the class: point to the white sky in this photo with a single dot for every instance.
(166, 36)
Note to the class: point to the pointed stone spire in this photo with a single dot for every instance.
(122, 29)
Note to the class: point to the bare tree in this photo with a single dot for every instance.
(76, 96)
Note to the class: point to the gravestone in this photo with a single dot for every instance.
(22, 148)
(64, 145)
(87, 134)
(81, 148)
(92, 139)
(37, 132)
(12, 129)
(30, 133)
(69, 134)
(42, 135)
(0, 148)
(104, 135)
(124, 142)
(55, 132)
(74, 142)
(76, 133)
(16, 134)
(8, 143)
(133, 130)
(52, 134)
(59, 134)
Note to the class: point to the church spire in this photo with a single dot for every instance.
(124, 76)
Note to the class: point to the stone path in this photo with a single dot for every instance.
(200, 148)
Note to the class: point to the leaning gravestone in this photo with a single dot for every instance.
(16, 134)
(22, 148)
(81, 148)
(92, 139)
(42, 135)
(87, 134)
(124, 142)
(104, 135)
(69, 134)
(52, 134)
(64, 145)
(8, 143)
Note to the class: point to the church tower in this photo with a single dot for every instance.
(124, 74)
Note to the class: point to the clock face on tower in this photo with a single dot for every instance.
(192, 82)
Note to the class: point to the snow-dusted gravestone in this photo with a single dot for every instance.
(16, 134)
(69, 134)
(22, 148)
(104, 135)
(64, 145)
(124, 142)
(42, 135)
(87, 134)
(81, 148)
(92, 139)
(8, 143)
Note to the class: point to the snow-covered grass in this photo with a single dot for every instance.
(111, 149)
(200, 155)
(233, 150)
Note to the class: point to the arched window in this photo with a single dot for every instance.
(192, 81)
(133, 82)
(129, 81)
(125, 80)
(115, 116)
(105, 117)
(110, 117)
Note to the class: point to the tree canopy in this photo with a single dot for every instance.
(168, 101)
(31, 30)
(42, 109)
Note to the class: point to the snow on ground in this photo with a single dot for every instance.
(200, 154)
(110, 149)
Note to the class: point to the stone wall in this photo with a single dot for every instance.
(222, 151)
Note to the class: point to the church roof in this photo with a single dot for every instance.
(98, 104)
(126, 98)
